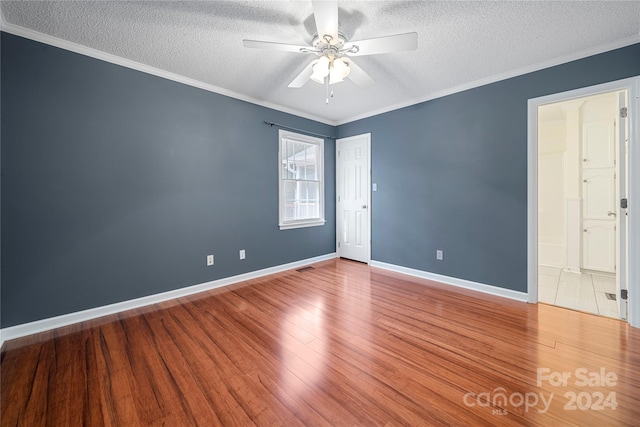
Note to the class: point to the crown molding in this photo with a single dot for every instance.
(117, 60)
(107, 57)
(502, 76)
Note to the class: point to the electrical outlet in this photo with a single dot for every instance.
(374, 187)
(439, 255)
(242, 254)
(209, 260)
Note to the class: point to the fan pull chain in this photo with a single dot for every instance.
(326, 84)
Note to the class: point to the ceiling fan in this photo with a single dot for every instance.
(334, 51)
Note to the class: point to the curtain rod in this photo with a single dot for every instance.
(272, 124)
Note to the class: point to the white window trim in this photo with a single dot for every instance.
(286, 225)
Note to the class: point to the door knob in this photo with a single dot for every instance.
(609, 213)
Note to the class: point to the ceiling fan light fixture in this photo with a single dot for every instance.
(320, 69)
(339, 71)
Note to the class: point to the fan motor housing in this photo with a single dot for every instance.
(327, 46)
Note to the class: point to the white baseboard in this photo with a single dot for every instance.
(461, 283)
(30, 328)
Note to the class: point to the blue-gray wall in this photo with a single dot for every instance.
(452, 173)
(116, 184)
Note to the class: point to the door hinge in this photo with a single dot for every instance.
(338, 243)
(624, 294)
(623, 112)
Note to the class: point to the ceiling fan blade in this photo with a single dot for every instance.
(358, 75)
(302, 78)
(326, 16)
(398, 42)
(257, 44)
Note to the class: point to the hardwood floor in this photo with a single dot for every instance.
(342, 344)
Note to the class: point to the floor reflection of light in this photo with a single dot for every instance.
(355, 307)
(303, 352)
(355, 317)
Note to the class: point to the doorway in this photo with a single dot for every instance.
(580, 147)
(578, 174)
(353, 212)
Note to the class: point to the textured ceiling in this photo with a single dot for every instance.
(459, 43)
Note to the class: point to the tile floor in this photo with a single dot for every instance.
(584, 292)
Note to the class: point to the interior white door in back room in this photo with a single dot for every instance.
(599, 196)
(353, 165)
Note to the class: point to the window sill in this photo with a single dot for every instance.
(302, 224)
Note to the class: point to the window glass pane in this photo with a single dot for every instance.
(283, 159)
(311, 172)
(300, 159)
(289, 201)
(313, 191)
(312, 199)
(291, 167)
(312, 161)
(303, 164)
(290, 191)
(301, 206)
(301, 200)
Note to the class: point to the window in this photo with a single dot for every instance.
(301, 180)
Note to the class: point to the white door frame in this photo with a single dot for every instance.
(339, 141)
(632, 85)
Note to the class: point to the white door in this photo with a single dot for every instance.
(599, 196)
(353, 166)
